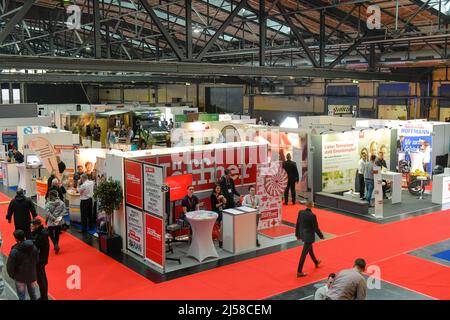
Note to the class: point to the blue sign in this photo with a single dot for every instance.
(27, 130)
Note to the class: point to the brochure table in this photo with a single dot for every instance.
(239, 229)
(202, 223)
(10, 174)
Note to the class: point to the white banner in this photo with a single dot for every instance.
(135, 231)
(153, 195)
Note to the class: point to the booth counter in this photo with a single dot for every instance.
(73, 196)
(239, 229)
(441, 188)
(10, 174)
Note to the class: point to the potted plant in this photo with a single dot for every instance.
(109, 198)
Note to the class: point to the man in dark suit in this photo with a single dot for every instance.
(305, 230)
(228, 189)
(293, 177)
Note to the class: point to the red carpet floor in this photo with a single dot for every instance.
(278, 231)
(258, 278)
(329, 222)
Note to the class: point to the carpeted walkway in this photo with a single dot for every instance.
(265, 276)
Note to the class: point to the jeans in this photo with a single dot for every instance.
(21, 289)
(369, 186)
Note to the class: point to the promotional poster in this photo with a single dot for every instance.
(135, 231)
(154, 242)
(133, 183)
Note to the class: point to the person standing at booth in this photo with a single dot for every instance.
(253, 201)
(190, 202)
(86, 193)
(61, 165)
(368, 178)
(77, 175)
(228, 189)
(218, 203)
(380, 162)
(305, 230)
(293, 177)
(23, 210)
(361, 165)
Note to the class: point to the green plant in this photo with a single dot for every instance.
(109, 197)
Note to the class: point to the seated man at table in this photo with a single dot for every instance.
(380, 162)
(190, 202)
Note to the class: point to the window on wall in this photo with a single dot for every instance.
(16, 93)
(5, 96)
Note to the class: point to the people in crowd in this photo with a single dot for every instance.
(228, 189)
(361, 165)
(190, 202)
(56, 186)
(61, 165)
(349, 284)
(66, 127)
(171, 124)
(293, 177)
(218, 203)
(368, 178)
(130, 134)
(18, 156)
(192, 141)
(55, 209)
(123, 132)
(306, 229)
(261, 121)
(97, 132)
(21, 265)
(380, 162)
(321, 293)
(77, 175)
(23, 210)
(373, 148)
(108, 137)
(86, 190)
(89, 170)
(88, 131)
(253, 201)
(39, 235)
(426, 149)
(51, 178)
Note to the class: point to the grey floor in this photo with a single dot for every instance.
(428, 252)
(387, 291)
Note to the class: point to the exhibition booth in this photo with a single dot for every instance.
(415, 152)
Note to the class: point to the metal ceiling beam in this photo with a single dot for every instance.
(262, 32)
(346, 52)
(97, 27)
(9, 27)
(94, 78)
(222, 28)
(184, 68)
(163, 30)
(188, 19)
(298, 35)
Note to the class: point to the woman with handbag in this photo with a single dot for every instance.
(55, 209)
(218, 203)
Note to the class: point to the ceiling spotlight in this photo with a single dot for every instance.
(197, 30)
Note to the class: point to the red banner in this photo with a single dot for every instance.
(133, 183)
(178, 186)
(154, 242)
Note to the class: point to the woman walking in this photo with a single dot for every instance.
(55, 212)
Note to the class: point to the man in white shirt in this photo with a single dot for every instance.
(253, 201)
(86, 190)
(361, 165)
(321, 293)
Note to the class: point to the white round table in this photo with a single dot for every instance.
(202, 245)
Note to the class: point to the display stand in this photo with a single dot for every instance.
(239, 230)
(41, 192)
(10, 174)
(73, 196)
(396, 179)
(202, 223)
(441, 188)
(27, 179)
(378, 192)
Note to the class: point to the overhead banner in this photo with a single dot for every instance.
(45, 151)
(133, 183)
(135, 231)
(153, 193)
(154, 239)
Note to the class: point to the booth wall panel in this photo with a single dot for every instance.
(22, 110)
(316, 162)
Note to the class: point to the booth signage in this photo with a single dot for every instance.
(334, 110)
(154, 242)
(46, 153)
(270, 177)
(153, 195)
(135, 231)
(133, 183)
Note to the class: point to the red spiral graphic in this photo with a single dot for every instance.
(275, 184)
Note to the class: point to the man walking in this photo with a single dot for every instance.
(86, 190)
(23, 210)
(293, 177)
(349, 284)
(21, 265)
(228, 189)
(39, 235)
(305, 230)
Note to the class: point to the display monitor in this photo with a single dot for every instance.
(33, 160)
(178, 185)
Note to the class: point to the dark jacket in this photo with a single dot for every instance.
(381, 163)
(40, 240)
(50, 180)
(21, 265)
(307, 226)
(226, 186)
(18, 157)
(61, 191)
(291, 169)
(61, 167)
(22, 208)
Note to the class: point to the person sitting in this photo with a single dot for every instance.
(18, 156)
(321, 293)
(253, 201)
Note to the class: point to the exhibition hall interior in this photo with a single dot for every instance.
(224, 150)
